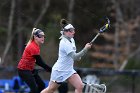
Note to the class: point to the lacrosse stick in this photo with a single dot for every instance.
(102, 29)
(95, 88)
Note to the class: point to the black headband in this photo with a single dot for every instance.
(37, 31)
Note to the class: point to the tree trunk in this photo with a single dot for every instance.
(44, 10)
(119, 19)
(20, 42)
(9, 34)
(70, 12)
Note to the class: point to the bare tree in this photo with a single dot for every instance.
(129, 42)
(124, 24)
(119, 19)
(19, 28)
(70, 12)
(10, 26)
(44, 10)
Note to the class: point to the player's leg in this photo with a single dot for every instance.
(28, 78)
(76, 81)
(40, 83)
(51, 88)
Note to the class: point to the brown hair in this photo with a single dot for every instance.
(63, 23)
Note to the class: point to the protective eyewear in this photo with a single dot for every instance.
(40, 36)
(71, 30)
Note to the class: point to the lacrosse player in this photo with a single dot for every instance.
(63, 69)
(30, 57)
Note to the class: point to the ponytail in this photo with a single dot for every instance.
(63, 23)
(32, 36)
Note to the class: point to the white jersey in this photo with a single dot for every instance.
(65, 62)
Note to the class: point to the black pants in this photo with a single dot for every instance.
(32, 79)
(63, 88)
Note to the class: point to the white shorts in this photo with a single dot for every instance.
(61, 76)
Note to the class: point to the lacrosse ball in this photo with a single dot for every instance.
(106, 25)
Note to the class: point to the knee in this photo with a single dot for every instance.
(44, 91)
(51, 89)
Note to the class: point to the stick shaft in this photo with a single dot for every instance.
(94, 38)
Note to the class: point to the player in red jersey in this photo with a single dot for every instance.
(30, 57)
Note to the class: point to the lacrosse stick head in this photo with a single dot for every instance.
(100, 88)
(105, 27)
(104, 88)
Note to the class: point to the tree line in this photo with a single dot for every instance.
(111, 50)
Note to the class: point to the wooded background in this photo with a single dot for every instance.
(117, 49)
(112, 50)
